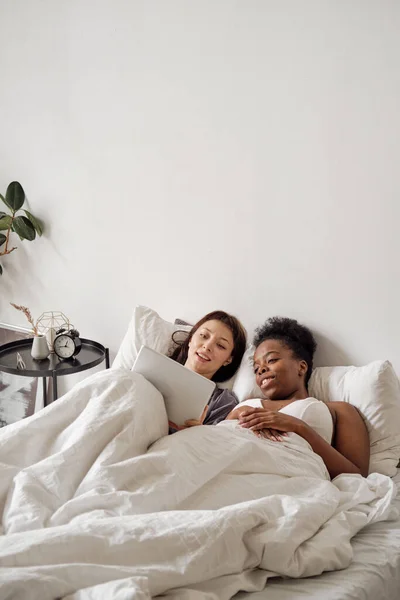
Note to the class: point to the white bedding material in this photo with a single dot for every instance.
(373, 574)
(89, 514)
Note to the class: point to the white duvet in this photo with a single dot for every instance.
(98, 503)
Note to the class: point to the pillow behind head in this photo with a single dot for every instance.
(374, 390)
(244, 385)
(148, 328)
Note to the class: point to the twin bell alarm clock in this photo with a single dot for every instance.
(67, 344)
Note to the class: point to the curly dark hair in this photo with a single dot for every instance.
(294, 336)
(180, 353)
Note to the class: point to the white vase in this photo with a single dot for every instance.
(40, 349)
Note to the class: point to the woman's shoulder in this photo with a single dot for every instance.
(341, 409)
(221, 403)
(224, 395)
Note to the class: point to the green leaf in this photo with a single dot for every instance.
(2, 214)
(2, 197)
(35, 222)
(5, 222)
(24, 228)
(2, 238)
(15, 196)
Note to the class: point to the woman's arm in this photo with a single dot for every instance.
(236, 412)
(267, 432)
(221, 403)
(351, 437)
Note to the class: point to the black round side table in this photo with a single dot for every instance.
(91, 354)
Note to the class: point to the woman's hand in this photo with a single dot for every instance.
(270, 434)
(258, 419)
(190, 422)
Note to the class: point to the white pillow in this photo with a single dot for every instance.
(146, 327)
(373, 389)
(245, 385)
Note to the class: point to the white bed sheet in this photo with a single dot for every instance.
(373, 575)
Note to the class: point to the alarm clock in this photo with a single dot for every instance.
(67, 344)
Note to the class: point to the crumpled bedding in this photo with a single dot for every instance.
(97, 501)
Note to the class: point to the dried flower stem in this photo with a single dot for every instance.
(28, 315)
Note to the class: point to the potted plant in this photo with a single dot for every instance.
(25, 226)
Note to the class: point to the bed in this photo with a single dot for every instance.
(374, 572)
(98, 502)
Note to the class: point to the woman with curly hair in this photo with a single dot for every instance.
(283, 362)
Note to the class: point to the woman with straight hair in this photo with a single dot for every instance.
(213, 348)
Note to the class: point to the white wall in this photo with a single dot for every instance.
(192, 155)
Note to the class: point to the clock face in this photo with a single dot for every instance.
(64, 346)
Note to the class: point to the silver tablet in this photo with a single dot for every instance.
(185, 392)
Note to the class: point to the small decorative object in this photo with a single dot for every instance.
(49, 323)
(28, 315)
(40, 349)
(25, 226)
(67, 344)
(20, 362)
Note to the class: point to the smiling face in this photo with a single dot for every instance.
(279, 374)
(210, 348)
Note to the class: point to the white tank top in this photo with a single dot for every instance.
(310, 410)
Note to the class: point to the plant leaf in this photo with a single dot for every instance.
(35, 222)
(24, 228)
(2, 197)
(2, 238)
(15, 196)
(5, 222)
